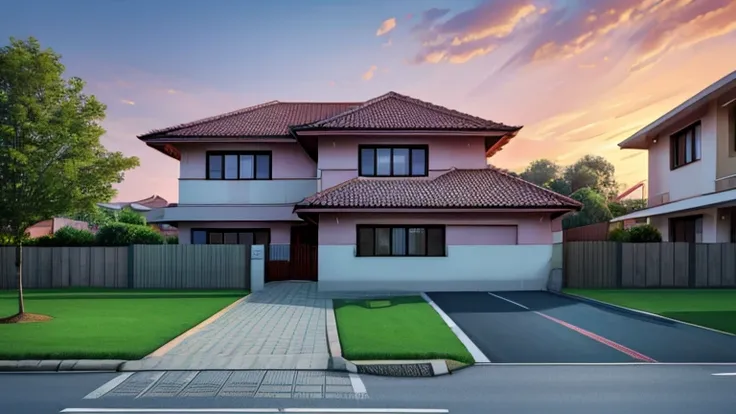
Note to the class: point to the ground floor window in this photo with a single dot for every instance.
(376, 240)
(687, 229)
(231, 236)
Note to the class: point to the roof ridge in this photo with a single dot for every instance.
(448, 111)
(211, 118)
(413, 101)
(554, 193)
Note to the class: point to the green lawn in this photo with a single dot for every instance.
(710, 308)
(98, 323)
(395, 328)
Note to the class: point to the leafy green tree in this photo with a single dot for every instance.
(595, 209)
(51, 158)
(130, 216)
(558, 185)
(541, 172)
(594, 172)
(95, 216)
(623, 207)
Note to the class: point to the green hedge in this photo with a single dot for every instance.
(123, 234)
(645, 233)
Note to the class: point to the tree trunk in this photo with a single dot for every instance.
(19, 272)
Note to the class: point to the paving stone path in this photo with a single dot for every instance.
(244, 384)
(281, 327)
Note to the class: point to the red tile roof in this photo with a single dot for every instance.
(270, 119)
(391, 111)
(484, 188)
(394, 111)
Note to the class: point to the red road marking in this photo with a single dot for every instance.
(628, 351)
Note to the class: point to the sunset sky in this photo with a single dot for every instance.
(580, 75)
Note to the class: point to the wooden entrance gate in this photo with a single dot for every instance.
(301, 263)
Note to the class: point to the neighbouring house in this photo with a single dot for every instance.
(692, 167)
(391, 193)
(144, 207)
(51, 226)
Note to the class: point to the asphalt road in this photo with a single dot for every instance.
(649, 389)
(540, 327)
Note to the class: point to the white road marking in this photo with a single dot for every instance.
(154, 379)
(108, 386)
(725, 374)
(170, 410)
(508, 300)
(478, 355)
(366, 410)
(261, 410)
(358, 386)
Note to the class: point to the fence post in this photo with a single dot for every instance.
(257, 267)
(691, 265)
(131, 264)
(619, 265)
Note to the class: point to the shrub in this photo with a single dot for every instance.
(172, 240)
(69, 236)
(645, 233)
(129, 216)
(618, 235)
(123, 234)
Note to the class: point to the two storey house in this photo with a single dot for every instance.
(692, 167)
(393, 193)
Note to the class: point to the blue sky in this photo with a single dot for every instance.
(579, 75)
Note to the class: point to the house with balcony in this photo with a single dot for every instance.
(392, 193)
(692, 167)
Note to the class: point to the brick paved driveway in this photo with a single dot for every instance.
(280, 327)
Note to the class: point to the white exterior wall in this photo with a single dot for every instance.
(465, 268)
(716, 224)
(690, 180)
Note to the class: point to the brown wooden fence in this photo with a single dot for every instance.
(291, 262)
(597, 264)
(131, 267)
(591, 232)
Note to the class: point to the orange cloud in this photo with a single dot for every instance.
(368, 75)
(387, 26)
(127, 102)
(471, 33)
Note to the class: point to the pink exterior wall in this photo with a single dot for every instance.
(338, 156)
(690, 180)
(523, 228)
(288, 158)
(280, 231)
(472, 235)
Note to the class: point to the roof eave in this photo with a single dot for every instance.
(398, 132)
(525, 209)
(641, 139)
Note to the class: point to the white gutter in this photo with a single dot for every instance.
(694, 203)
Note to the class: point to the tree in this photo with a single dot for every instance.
(541, 172)
(560, 186)
(595, 209)
(51, 158)
(594, 172)
(622, 207)
(130, 216)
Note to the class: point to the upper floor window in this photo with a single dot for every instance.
(239, 165)
(685, 146)
(393, 161)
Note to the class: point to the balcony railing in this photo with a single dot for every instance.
(279, 191)
(726, 183)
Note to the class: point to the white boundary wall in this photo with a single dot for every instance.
(465, 268)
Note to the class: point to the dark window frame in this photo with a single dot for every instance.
(392, 148)
(208, 230)
(391, 227)
(674, 145)
(255, 154)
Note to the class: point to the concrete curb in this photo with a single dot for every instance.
(636, 312)
(427, 368)
(56, 365)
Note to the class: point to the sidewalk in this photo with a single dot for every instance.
(280, 327)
